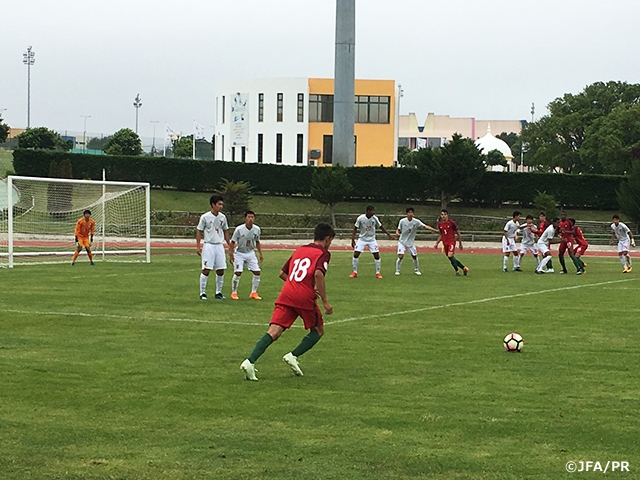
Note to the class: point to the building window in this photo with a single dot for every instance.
(222, 145)
(260, 145)
(327, 149)
(300, 148)
(301, 107)
(280, 107)
(261, 107)
(278, 148)
(213, 146)
(321, 108)
(223, 108)
(244, 154)
(372, 109)
(233, 154)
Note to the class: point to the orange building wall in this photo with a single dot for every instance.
(375, 142)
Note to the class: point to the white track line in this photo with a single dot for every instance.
(471, 302)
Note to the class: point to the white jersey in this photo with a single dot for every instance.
(213, 227)
(548, 234)
(246, 239)
(367, 227)
(408, 229)
(621, 231)
(511, 228)
(528, 237)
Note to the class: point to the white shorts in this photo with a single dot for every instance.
(372, 244)
(623, 246)
(213, 257)
(543, 247)
(528, 248)
(508, 245)
(404, 248)
(249, 259)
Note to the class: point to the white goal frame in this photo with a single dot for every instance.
(99, 235)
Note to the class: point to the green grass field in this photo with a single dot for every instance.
(6, 162)
(119, 372)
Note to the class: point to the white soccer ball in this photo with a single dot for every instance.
(513, 342)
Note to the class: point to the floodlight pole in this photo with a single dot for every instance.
(84, 136)
(153, 144)
(137, 103)
(29, 58)
(344, 84)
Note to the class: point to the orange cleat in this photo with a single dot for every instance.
(378, 275)
(353, 275)
(255, 296)
(234, 296)
(465, 271)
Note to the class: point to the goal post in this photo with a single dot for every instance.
(38, 217)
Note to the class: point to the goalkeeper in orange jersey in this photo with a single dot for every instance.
(85, 227)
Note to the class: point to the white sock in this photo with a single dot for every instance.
(416, 264)
(537, 259)
(505, 260)
(255, 281)
(377, 262)
(203, 283)
(219, 283)
(354, 262)
(623, 261)
(398, 264)
(516, 261)
(544, 262)
(628, 259)
(234, 283)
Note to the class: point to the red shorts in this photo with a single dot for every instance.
(449, 248)
(580, 249)
(564, 246)
(284, 316)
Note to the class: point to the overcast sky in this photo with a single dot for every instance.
(486, 59)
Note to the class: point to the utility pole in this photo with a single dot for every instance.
(29, 58)
(344, 84)
(137, 102)
(84, 136)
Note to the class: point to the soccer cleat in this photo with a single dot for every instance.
(465, 271)
(255, 296)
(629, 269)
(249, 370)
(220, 296)
(562, 272)
(540, 272)
(92, 264)
(417, 272)
(234, 296)
(625, 270)
(550, 270)
(457, 273)
(579, 272)
(353, 275)
(378, 275)
(292, 361)
(517, 269)
(73, 264)
(397, 273)
(505, 270)
(203, 296)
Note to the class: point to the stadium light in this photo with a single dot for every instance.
(137, 102)
(29, 58)
(84, 136)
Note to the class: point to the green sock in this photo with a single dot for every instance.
(459, 263)
(564, 266)
(453, 263)
(577, 262)
(306, 344)
(261, 346)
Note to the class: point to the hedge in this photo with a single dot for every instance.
(369, 183)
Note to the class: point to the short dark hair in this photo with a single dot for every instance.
(215, 199)
(616, 216)
(529, 217)
(249, 212)
(444, 211)
(516, 213)
(543, 214)
(409, 209)
(572, 220)
(370, 208)
(555, 219)
(322, 231)
(87, 211)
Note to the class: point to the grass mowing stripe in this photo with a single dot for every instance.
(471, 302)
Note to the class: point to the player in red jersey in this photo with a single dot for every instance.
(565, 229)
(303, 276)
(581, 246)
(448, 233)
(543, 224)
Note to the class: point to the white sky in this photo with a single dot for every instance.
(486, 59)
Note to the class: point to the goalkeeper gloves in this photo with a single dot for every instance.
(91, 241)
(633, 242)
(77, 242)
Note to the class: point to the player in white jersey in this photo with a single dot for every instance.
(547, 238)
(509, 237)
(406, 235)
(625, 238)
(365, 227)
(244, 241)
(528, 242)
(213, 229)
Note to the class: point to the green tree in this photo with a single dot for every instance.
(330, 186)
(96, 143)
(237, 197)
(629, 194)
(546, 203)
(4, 130)
(496, 157)
(451, 171)
(515, 143)
(405, 156)
(42, 137)
(183, 147)
(124, 142)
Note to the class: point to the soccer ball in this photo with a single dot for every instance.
(513, 342)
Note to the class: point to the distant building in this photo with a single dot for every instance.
(489, 143)
(289, 121)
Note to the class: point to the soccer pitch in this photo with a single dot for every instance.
(118, 371)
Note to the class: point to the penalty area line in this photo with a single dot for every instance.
(471, 302)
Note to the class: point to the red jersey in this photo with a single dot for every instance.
(565, 225)
(580, 240)
(543, 226)
(448, 231)
(299, 287)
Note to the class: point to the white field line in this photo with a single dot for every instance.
(471, 302)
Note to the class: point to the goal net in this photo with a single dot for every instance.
(38, 218)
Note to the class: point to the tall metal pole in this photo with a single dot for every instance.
(153, 144)
(137, 102)
(29, 59)
(84, 135)
(344, 84)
